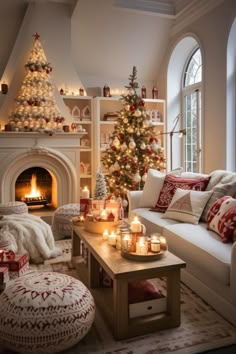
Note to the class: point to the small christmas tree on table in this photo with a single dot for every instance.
(100, 187)
(35, 106)
(134, 147)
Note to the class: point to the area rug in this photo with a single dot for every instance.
(201, 328)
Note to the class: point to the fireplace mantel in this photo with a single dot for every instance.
(58, 152)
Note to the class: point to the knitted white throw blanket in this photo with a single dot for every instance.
(32, 235)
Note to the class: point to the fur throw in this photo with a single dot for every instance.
(32, 235)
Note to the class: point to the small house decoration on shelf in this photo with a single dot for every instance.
(75, 112)
(86, 113)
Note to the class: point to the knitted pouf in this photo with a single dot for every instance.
(61, 220)
(13, 208)
(45, 312)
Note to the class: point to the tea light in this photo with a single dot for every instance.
(126, 243)
(112, 238)
(136, 225)
(85, 193)
(81, 218)
(163, 243)
(105, 235)
(103, 214)
(141, 247)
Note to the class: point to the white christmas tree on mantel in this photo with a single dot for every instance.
(36, 109)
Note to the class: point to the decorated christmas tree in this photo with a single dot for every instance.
(35, 106)
(100, 187)
(134, 146)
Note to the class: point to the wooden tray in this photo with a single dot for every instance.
(143, 258)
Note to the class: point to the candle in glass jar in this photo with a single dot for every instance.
(155, 246)
(136, 225)
(85, 193)
(112, 238)
(126, 243)
(105, 235)
(141, 247)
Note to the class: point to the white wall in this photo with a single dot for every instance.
(212, 30)
(53, 22)
(107, 42)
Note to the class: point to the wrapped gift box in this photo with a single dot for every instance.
(17, 264)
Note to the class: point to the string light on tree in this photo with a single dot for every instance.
(36, 108)
(134, 147)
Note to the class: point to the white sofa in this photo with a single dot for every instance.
(211, 264)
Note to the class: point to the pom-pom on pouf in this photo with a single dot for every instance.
(13, 208)
(45, 312)
(61, 220)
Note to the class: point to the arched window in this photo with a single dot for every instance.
(191, 93)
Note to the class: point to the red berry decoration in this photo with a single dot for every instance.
(132, 108)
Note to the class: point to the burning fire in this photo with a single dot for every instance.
(34, 192)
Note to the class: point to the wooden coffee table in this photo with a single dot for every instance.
(113, 302)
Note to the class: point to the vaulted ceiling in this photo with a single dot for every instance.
(108, 31)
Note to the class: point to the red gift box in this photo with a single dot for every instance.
(17, 264)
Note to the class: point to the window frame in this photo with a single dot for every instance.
(186, 91)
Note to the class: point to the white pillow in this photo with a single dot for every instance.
(187, 205)
(153, 186)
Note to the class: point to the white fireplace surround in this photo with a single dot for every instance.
(58, 153)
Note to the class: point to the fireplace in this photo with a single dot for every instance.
(34, 187)
(55, 160)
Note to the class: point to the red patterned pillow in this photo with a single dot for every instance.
(224, 221)
(227, 225)
(215, 208)
(142, 290)
(171, 183)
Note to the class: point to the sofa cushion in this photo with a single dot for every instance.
(171, 183)
(215, 208)
(221, 183)
(187, 206)
(224, 221)
(201, 248)
(153, 186)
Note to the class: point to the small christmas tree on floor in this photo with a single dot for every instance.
(134, 147)
(35, 106)
(100, 187)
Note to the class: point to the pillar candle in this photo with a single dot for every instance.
(136, 225)
(105, 235)
(112, 239)
(85, 193)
